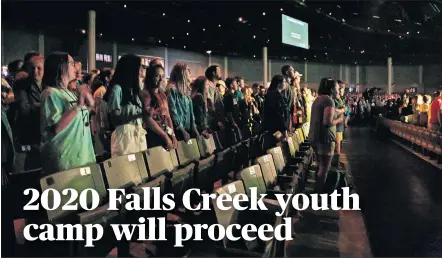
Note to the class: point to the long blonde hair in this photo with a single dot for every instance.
(179, 78)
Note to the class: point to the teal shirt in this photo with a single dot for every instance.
(72, 147)
(127, 110)
(181, 110)
(238, 95)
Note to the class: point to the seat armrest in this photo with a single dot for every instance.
(99, 214)
(272, 206)
(284, 178)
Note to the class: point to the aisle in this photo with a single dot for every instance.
(401, 196)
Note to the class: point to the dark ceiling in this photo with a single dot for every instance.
(365, 32)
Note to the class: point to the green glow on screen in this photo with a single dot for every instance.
(294, 32)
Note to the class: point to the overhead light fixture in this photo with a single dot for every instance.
(408, 32)
(268, 40)
(184, 46)
(356, 13)
(349, 47)
(164, 14)
(254, 55)
(388, 30)
(83, 31)
(125, 6)
(159, 41)
(343, 20)
(338, 6)
(330, 14)
(418, 23)
(363, 51)
(254, 36)
(133, 39)
(204, 29)
(376, 17)
(264, 14)
(173, 37)
(101, 34)
(209, 52)
(188, 21)
(326, 53)
(418, 32)
(282, 9)
(368, 28)
(187, 33)
(398, 20)
(240, 19)
(219, 25)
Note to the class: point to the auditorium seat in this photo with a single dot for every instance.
(206, 175)
(272, 180)
(80, 179)
(227, 217)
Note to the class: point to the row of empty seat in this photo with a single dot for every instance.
(419, 138)
(198, 163)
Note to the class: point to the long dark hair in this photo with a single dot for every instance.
(277, 82)
(150, 83)
(56, 66)
(199, 86)
(326, 86)
(127, 76)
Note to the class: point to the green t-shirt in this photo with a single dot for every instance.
(126, 110)
(72, 147)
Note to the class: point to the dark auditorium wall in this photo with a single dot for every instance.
(432, 77)
(405, 76)
(376, 75)
(16, 43)
(250, 69)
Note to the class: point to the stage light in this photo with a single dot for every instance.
(125, 6)
(209, 52)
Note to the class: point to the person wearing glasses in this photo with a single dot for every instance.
(65, 130)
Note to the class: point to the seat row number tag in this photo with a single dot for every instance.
(85, 171)
(231, 188)
(266, 159)
(252, 170)
(131, 157)
(189, 142)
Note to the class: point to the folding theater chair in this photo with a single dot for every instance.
(206, 176)
(183, 178)
(225, 247)
(81, 179)
(224, 156)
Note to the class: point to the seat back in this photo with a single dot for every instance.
(252, 177)
(268, 169)
(297, 137)
(227, 217)
(77, 178)
(124, 170)
(160, 161)
(187, 152)
(305, 129)
(301, 134)
(206, 146)
(278, 159)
